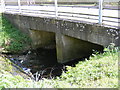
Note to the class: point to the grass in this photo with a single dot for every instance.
(11, 39)
(101, 71)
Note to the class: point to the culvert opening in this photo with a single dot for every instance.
(45, 58)
(42, 62)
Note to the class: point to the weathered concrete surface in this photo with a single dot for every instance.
(71, 48)
(73, 39)
(42, 39)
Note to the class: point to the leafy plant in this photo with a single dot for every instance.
(101, 71)
(11, 39)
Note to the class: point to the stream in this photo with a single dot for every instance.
(37, 64)
(40, 63)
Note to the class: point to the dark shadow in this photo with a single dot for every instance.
(42, 63)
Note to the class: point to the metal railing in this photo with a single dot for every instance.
(100, 11)
(95, 14)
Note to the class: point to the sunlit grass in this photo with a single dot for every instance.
(101, 71)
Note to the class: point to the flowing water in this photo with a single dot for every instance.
(39, 62)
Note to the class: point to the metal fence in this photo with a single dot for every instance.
(96, 11)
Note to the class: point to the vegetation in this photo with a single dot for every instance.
(11, 39)
(101, 71)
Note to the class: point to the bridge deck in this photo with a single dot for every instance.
(86, 14)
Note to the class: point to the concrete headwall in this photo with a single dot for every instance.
(72, 39)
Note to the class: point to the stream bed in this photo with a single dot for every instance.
(40, 63)
(37, 64)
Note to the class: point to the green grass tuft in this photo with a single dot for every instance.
(101, 71)
(11, 39)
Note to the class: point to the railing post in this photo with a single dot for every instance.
(100, 11)
(19, 6)
(3, 5)
(56, 9)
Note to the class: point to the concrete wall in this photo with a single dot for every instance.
(42, 39)
(69, 48)
(72, 39)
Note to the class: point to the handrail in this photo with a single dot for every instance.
(3, 5)
(56, 8)
(100, 11)
(97, 15)
(19, 5)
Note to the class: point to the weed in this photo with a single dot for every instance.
(11, 39)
